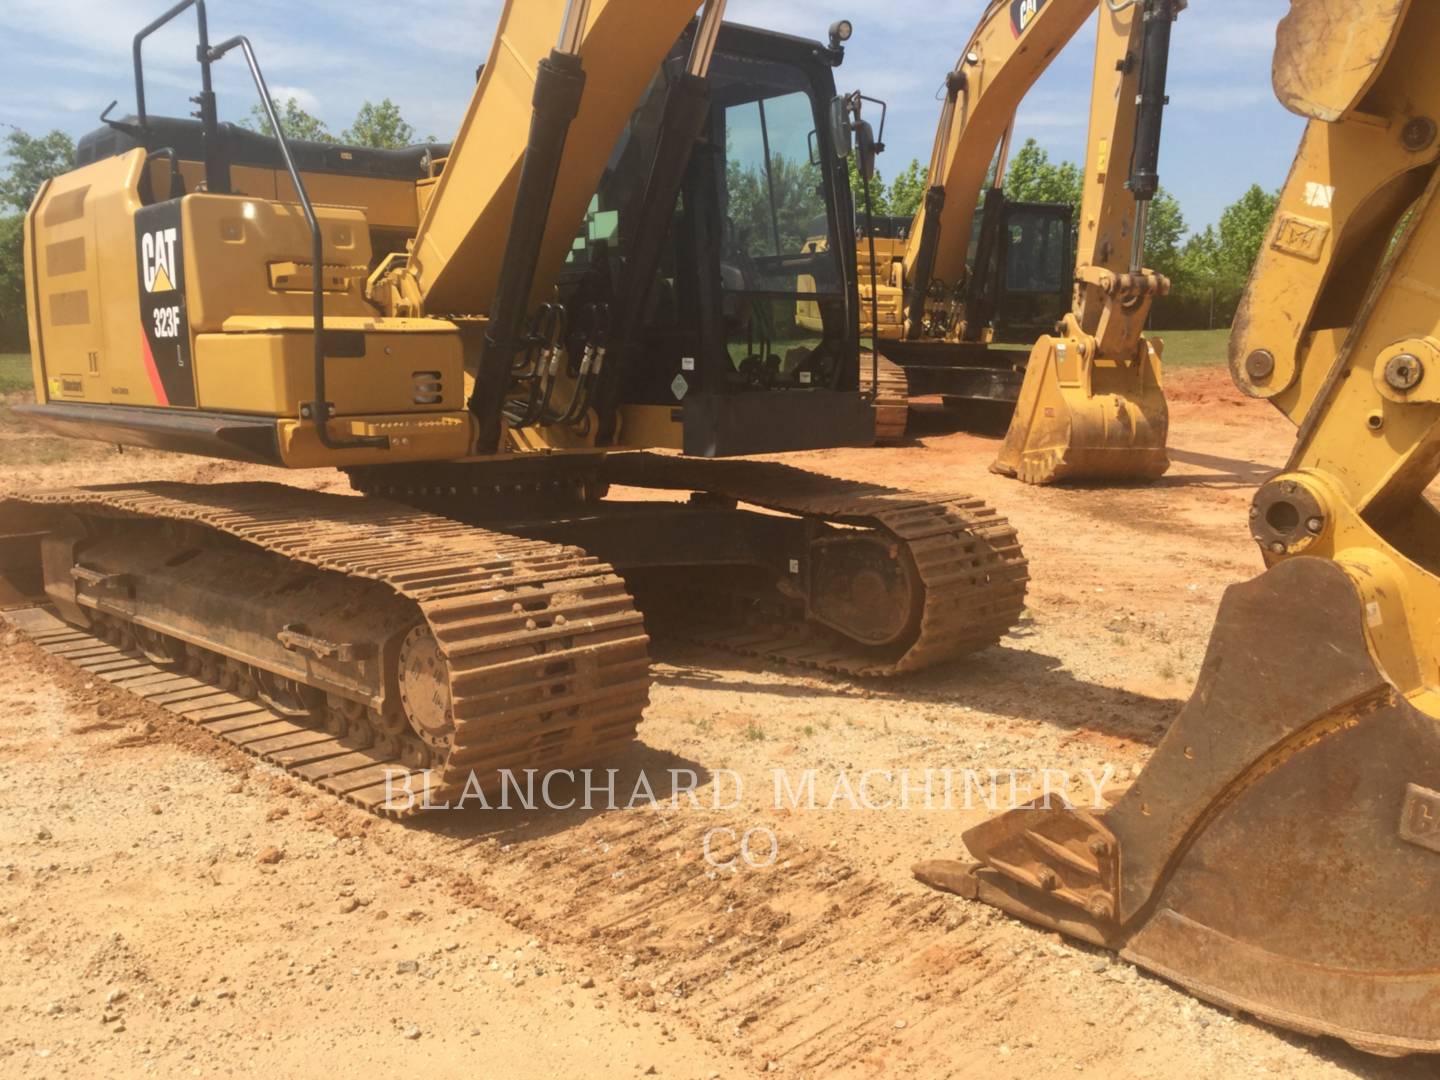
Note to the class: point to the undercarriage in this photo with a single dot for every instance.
(471, 622)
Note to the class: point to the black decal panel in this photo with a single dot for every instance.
(164, 328)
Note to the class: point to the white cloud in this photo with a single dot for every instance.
(67, 58)
(303, 97)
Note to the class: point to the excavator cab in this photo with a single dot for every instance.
(1033, 270)
(766, 330)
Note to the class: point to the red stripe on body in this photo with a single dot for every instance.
(155, 384)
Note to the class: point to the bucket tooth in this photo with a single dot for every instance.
(1086, 420)
(1280, 853)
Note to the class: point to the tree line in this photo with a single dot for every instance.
(1207, 269)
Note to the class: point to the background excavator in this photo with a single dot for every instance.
(1280, 853)
(1089, 401)
(1027, 281)
(609, 257)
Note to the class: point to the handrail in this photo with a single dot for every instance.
(320, 408)
(217, 172)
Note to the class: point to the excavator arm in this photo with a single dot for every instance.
(1280, 853)
(1092, 406)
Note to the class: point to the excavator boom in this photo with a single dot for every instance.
(619, 45)
(1011, 47)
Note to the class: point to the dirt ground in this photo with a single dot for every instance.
(168, 907)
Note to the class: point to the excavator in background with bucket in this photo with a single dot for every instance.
(1280, 852)
(1089, 404)
(608, 259)
(1027, 278)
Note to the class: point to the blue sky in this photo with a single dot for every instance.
(66, 59)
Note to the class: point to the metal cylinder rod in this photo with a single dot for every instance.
(1137, 241)
(572, 26)
(702, 50)
(955, 83)
(559, 88)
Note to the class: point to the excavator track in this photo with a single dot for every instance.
(892, 399)
(966, 556)
(967, 562)
(541, 656)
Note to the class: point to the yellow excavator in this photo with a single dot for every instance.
(1089, 404)
(486, 336)
(1280, 853)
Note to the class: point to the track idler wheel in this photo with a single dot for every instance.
(425, 688)
(1280, 854)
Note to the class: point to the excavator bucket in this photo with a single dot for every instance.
(1280, 854)
(1082, 419)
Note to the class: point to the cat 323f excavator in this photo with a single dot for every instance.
(485, 337)
(1090, 404)
(1280, 852)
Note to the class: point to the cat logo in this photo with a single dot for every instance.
(164, 330)
(1022, 14)
(157, 260)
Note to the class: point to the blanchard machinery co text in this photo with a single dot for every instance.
(724, 790)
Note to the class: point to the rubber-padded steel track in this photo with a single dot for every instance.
(968, 558)
(547, 657)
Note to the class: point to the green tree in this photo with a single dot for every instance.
(1164, 231)
(380, 126)
(1212, 267)
(1243, 225)
(907, 191)
(1032, 177)
(796, 206)
(33, 160)
(879, 196)
(1198, 265)
(1200, 295)
(13, 330)
(298, 123)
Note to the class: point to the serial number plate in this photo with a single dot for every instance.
(1420, 819)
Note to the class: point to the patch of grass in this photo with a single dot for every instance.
(15, 373)
(1193, 348)
(754, 732)
(704, 724)
(808, 730)
(1167, 670)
